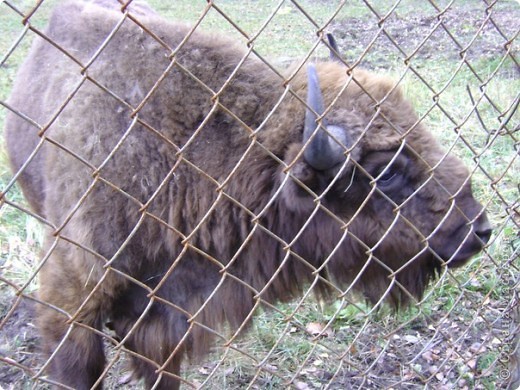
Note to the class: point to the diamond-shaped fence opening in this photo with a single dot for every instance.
(259, 194)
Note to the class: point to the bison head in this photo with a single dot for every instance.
(405, 206)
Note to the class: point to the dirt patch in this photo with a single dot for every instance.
(18, 343)
(464, 30)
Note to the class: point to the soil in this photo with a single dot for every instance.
(464, 30)
(18, 343)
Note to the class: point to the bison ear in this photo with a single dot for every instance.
(335, 55)
(326, 148)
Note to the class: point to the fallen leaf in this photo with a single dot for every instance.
(477, 348)
(206, 369)
(126, 378)
(285, 11)
(411, 339)
(271, 368)
(316, 328)
(309, 370)
(472, 364)
(430, 356)
(301, 386)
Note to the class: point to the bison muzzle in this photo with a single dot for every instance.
(184, 183)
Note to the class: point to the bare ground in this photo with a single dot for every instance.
(466, 30)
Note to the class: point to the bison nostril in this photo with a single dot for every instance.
(484, 234)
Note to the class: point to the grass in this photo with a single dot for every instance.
(428, 342)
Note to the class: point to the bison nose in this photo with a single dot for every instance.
(483, 228)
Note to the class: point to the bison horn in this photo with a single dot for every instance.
(324, 151)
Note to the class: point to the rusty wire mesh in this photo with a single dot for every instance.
(455, 61)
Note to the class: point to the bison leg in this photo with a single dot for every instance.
(166, 382)
(79, 360)
(75, 350)
(156, 336)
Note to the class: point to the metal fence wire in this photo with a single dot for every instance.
(259, 194)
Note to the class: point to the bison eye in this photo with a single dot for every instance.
(387, 169)
(386, 177)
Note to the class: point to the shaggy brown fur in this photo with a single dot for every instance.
(171, 218)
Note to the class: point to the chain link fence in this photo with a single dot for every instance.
(157, 230)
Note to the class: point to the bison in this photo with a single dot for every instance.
(185, 182)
